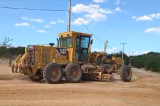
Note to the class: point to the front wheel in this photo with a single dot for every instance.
(126, 73)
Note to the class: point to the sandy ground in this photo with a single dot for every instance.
(17, 90)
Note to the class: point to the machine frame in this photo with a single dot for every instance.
(70, 59)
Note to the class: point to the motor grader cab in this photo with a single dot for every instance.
(53, 63)
(77, 45)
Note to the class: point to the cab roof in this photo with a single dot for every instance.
(72, 33)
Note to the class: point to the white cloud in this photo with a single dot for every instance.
(135, 53)
(132, 53)
(81, 8)
(144, 18)
(153, 30)
(41, 31)
(98, 50)
(25, 18)
(95, 17)
(141, 53)
(117, 2)
(22, 24)
(99, 1)
(118, 9)
(61, 21)
(32, 19)
(147, 17)
(133, 17)
(108, 50)
(112, 50)
(33, 27)
(155, 15)
(37, 20)
(101, 10)
(92, 12)
(52, 22)
(78, 21)
(47, 26)
(145, 52)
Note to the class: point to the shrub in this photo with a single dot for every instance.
(150, 61)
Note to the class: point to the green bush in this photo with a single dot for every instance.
(8, 52)
(150, 61)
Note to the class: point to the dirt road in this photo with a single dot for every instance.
(17, 90)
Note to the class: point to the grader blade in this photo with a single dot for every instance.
(108, 77)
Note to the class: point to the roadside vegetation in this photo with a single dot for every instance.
(149, 61)
(7, 51)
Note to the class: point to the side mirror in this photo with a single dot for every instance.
(91, 41)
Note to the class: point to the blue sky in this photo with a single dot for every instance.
(135, 22)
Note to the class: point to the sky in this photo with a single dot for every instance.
(135, 22)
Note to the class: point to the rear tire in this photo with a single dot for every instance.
(126, 73)
(53, 73)
(74, 72)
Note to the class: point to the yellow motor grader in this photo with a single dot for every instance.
(71, 59)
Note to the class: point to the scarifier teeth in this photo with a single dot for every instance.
(13, 70)
(16, 69)
(20, 71)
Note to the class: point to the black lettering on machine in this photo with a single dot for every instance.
(62, 51)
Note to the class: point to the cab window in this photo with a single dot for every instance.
(65, 42)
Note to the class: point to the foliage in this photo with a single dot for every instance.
(10, 52)
(6, 43)
(150, 61)
(7, 51)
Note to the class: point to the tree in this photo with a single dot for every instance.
(149, 61)
(4, 45)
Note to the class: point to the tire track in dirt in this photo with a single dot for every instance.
(13, 77)
(29, 93)
(146, 79)
(144, 86)
(66, 92)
